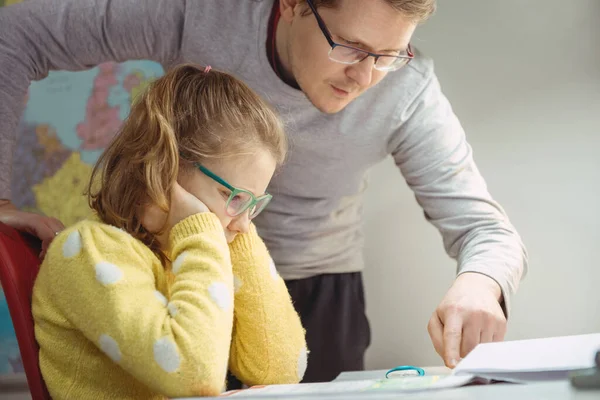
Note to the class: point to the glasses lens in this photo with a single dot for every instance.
(259, 206)
(346, 55)
(238, 203)
(389, 63)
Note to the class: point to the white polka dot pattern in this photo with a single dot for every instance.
(107, 273)
(114, 228)
(166, 355)
(110, 347)
(302, 363)
(161, 297)
(178, 261)
(172, 310)
(273, 269)
(237, 284)
(72, 245)
(221, 295)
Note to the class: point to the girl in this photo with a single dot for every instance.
(138, 303)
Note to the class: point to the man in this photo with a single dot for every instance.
(352, 91)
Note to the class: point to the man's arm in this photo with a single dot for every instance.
(437, 162)
(433, 155)
(38, 36)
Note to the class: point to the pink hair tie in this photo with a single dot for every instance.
(208, 68)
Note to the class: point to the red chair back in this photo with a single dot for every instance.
(19, 265)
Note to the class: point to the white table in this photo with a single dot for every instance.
(543, 391)
(559, 390)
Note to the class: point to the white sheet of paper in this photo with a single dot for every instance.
(395, 385)
(531, 360)
(367, 386)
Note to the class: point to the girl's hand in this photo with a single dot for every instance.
(183, 205)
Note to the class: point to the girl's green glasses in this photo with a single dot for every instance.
(239, 200)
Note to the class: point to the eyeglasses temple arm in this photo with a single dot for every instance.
(321, 23)
(211, 175)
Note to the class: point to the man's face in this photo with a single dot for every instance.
(372, 25)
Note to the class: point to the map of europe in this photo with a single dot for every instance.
(69, 119)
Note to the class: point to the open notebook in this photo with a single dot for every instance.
(531, 360)
(368, 387)
(518, 361)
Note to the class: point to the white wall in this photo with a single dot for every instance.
(524, 77)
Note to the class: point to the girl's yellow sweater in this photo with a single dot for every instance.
(113, 322)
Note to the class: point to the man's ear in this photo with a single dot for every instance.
(288, 9)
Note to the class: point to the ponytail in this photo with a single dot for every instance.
(139, 167)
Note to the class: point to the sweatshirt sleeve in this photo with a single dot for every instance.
(38, 36)
(268, 345)
(103, 282)
(437, 162)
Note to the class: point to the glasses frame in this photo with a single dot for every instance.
(235, 191)
(409, 54)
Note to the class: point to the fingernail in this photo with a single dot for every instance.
(453, 362)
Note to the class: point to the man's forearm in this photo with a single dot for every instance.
(498, 254)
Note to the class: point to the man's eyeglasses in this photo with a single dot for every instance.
(239, 200)
(344, 54)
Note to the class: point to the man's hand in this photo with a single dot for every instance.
(45, 228)
(469, 314)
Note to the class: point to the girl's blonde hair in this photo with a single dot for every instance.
(187, 113)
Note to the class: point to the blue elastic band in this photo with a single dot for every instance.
(420, 371)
